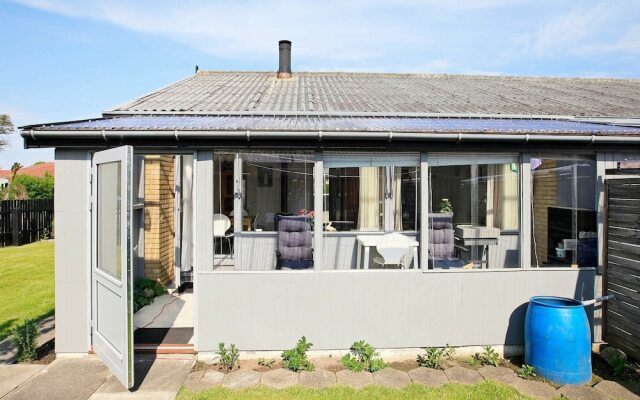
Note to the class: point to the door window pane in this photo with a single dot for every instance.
(109, 208)
(564, 212)
(405, 186)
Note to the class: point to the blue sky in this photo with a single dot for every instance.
(69, 59)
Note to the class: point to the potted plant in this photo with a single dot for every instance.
(446, 207)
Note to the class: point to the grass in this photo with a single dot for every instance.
(486, 390)
(26, 284)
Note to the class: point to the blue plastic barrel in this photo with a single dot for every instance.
(557, 340)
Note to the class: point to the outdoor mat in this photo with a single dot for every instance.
(163, 335)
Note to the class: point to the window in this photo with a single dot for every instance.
(275, 185)
(564, 211)
(474, 211)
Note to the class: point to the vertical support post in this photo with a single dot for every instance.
(526, 196)
(600, 202)
(238, 218)
(388, 200)
(424, 211)
(15, 225)
(203, 212)
(318, 207)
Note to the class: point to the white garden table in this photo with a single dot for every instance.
(369, 241)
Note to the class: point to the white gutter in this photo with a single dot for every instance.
(177, 135)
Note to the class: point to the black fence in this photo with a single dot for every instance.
(25, 221)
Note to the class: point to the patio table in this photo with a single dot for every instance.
(368, 241)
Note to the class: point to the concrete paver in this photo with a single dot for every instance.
(463, 375)
(11, 376)
(356, 380)
(535, 389)
(317, 379)
(68, 379)
(203, 379)
(428, 377)
(392, 378)
(279, 378)
(579, 392)
(241, 379)
(494, 373)
(614, 390)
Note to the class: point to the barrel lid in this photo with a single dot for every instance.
(556, 302)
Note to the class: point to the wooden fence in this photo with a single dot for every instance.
(622, 268)
(25, 221)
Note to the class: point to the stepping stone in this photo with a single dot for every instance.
(356, 380)
(496, 373)
(391, 378)
(279, 378)
(317, 379)
(204, 379)
(615, 390)
(463, 375)
(428, 377)
(535, 389)
(241, 379)
(579, 392)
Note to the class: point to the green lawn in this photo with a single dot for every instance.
(485, 390)
(26, 284)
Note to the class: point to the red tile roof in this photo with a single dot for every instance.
(38, 170)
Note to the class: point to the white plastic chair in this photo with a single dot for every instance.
(394, 250)
(221, 224)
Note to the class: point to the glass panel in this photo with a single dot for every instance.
(405, 187)
(564, 212)
(223, 195)
(354, 198)
(474, 216)
(275, 185)
(109, 209)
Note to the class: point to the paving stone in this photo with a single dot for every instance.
(535, 389)
(11, 376)
(495, 373)
(391, 378)
(279, 378)
(428, 377)
(356, 380)
(615, 390)
(241, 379)
(463, 375)
(579, 392)
(203, 379)
(317, 379)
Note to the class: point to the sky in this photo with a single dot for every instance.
(71, 59)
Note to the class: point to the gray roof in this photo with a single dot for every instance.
(390, 94)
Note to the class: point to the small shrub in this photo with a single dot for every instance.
(363, 357)
(488, 357)
(266, 363)
(146, 291)
(527, 371)
(432, 357)
(296, 358)
(25, 339)
(619, 366)
(228, 356)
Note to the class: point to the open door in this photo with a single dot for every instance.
(112, 261)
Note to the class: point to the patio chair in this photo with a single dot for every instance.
(221, 224)
(394, 250)
(442, 249)
(295, 249)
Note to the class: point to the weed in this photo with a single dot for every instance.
(449, 352)
(432, 358)
(228, 356)
(146, 291)
(527, 371)
(266, 363)
(296, 358)
(488, 357)
(25, 339)
(619, 366)
(363, 357)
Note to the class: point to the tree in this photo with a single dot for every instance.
(6, 127)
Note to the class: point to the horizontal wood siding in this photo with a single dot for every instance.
(623, 265)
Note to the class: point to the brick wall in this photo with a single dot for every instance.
(158, 218)
(545, 195)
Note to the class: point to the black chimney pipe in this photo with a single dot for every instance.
(284, 69)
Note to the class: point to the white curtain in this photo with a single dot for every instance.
(187, 213)
(369, 199)
(397, 198)
(502, 197)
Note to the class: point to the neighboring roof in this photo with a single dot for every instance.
(37, 170)
(348, 93)
(338, 124)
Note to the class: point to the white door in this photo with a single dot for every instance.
(112, 262)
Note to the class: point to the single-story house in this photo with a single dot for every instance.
(38, 170)
(285, 186)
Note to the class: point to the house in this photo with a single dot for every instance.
(497, 182)
(39, 170)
